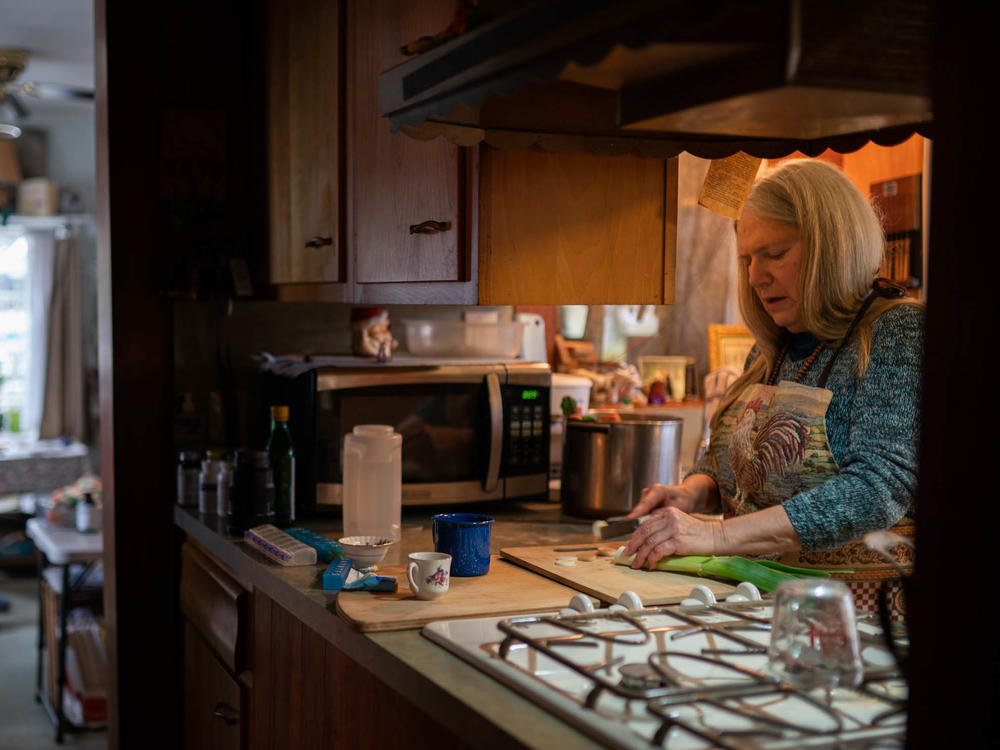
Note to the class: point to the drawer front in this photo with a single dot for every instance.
(215, 604)
(213, 701)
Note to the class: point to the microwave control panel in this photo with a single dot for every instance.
(526, 425)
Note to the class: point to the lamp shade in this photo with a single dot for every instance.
(10, 170)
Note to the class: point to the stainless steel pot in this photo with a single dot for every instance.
(606, 465)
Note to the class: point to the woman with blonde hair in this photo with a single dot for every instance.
(815, 444)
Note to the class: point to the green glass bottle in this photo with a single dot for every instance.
(282, 454)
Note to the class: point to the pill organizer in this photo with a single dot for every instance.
(281, 547)
(335, 575)
(326, 549)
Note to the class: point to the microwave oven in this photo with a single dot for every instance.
(471, 432)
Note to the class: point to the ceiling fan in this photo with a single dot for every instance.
(12, 108)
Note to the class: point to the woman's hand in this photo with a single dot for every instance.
(696, 494)
(672, 532)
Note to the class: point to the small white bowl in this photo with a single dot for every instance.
(365, 551)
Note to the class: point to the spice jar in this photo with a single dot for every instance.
(251, 491)
(188, 469)
(222, 488)
(208, 482)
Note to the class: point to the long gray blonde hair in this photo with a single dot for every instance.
(842, 249)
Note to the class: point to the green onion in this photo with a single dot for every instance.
(764, 574)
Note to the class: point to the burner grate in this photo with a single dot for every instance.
(680, 676)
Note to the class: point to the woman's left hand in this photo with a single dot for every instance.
(672, 532)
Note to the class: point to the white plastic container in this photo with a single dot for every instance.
(564, 384)
(373, 482)
(455, 338)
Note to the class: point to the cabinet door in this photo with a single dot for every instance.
(398, 183)
(576, 228)
(213, 701)
(305, 134)
(309, 694)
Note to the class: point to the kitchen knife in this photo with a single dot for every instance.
(616, 526)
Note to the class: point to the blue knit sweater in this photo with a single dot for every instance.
(873, 427)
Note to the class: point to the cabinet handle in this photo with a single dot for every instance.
(430, 227)
(227, 713)
(318, 241)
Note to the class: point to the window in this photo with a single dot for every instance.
(15, 329)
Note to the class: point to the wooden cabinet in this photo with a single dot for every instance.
(359, 213)
(408, 198)
(305, 141)
(216, 630)
(576, 228)
(309, 694)
(213, 700)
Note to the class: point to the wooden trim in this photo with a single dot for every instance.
(670, 220)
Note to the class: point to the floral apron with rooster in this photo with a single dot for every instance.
(773, 443)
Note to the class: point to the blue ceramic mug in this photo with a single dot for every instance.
(466, 537)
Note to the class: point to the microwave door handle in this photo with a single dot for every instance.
(496, 432)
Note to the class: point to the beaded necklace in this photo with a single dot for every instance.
(802, 370)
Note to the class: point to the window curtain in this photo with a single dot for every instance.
(41, 260)
(63, 412)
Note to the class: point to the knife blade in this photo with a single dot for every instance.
(616, 526)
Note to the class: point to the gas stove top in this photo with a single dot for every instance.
(680, 677)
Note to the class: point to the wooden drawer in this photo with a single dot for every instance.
(214, 704)
(215, 604)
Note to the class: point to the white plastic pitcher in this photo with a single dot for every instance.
(373, 480)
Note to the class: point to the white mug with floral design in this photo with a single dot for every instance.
(429, 574)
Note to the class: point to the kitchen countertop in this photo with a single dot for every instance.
(440, 684)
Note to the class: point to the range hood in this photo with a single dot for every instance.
(766, 77)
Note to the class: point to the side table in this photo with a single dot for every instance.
(61, 547)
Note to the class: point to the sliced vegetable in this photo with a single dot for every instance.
(764, 574)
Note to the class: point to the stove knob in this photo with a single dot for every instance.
(628, 600)
(745, 592)
(700, 595)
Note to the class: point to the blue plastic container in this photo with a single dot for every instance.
(466, 537)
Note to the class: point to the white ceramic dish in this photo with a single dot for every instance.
(365, 551)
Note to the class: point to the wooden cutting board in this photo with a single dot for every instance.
(506, 589)
(602, 579)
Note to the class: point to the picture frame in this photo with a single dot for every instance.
(728, 346)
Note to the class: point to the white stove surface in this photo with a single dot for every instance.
(565, 676)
